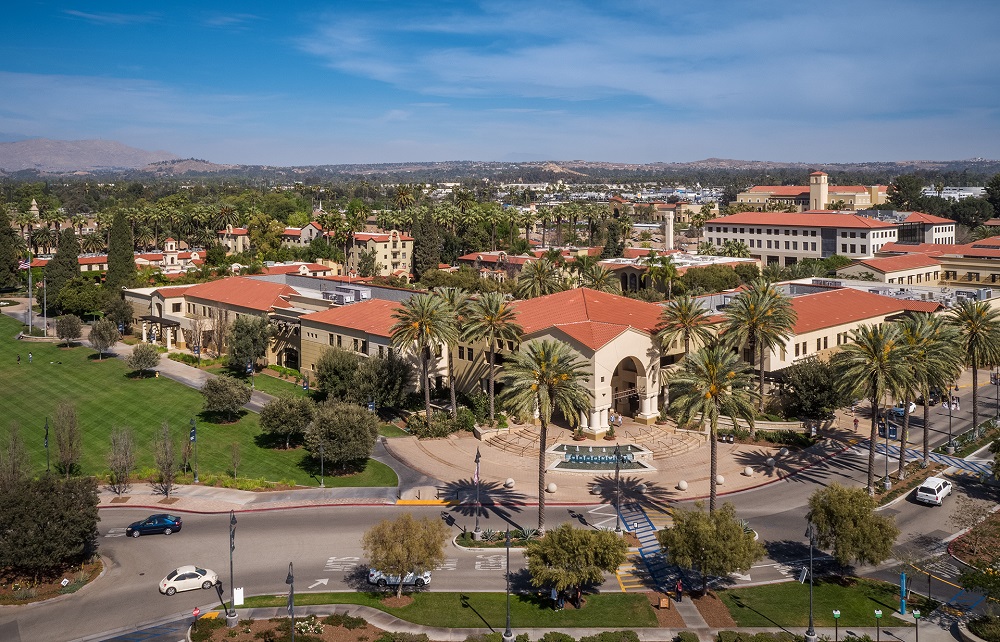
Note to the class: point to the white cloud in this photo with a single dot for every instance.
(113, 18)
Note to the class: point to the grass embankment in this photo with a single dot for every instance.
(460, 610)
(787, 604)
(105, 398)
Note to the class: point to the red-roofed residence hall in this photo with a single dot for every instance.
(393, 252)
(817, 195)
(905, 269)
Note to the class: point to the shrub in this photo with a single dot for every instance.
(987, 627)
(687, 636)
(766, 636)
(402, 637)
(612, 636)
(440, 426)
(786, 438)
(498, 637)
(557, 636)
(465, 420)
(202, 629)
(349, 622)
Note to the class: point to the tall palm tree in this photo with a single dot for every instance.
(457, 301)
(713, 382)
(423, 322)
(736, 249)
(78, 221)
(601, 279)
(872, 366)
(934, 362)
(763, 318)
(538, 278)
(661, 269)
(684, 317)
(978, 328)
(493, 320)
(546, 376)
(92, 243)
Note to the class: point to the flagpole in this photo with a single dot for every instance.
(45, 306)
(30, 304)
(476, 532)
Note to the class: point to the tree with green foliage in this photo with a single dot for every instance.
(121, 460)
(103, 336)
(405, 545)
(538, 278)
(546, 377)
(811, 390)
(715, 543)
(248, 340)
(144, 357)
(335, 373)
(69, 328)
(80, 296)
(287, 417)
(491, 319)
(686, 318)
(384, 381)
(905, 192)
(368, 264)
(119, 310)
(458, 303)
(346, 431)
(424, 322)
(978, 326)
(845, 521)
(225, 395)
(15, 466)
(48, 525)
(993, 192)
(69, 441)
(121, 259)
(165, 460)
(64, 266)
(709, 279)
(10, 253)
(568, 558)
(427, 245)
(713, 382)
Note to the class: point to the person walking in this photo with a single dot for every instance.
(29, 357)
(680, 591)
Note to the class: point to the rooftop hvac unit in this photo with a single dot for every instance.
(923, 296)
(984, 293)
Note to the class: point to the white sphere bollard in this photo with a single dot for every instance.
(770, 462)
(748, 471)
(641, 489)
(509, 483)
(682, 485)
(595, 490)
(783, 452)
(551, 488)
(720, 480)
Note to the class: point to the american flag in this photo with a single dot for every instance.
(23, 265)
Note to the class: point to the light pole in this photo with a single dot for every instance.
(950, 448)
(47, 469)
(811, 632)
(290, 581)
(194, 440)
(618, 489)
(231, 617)
(836, 626)
(508, 635)
(886, 482)
(916, 623)
(878, 625)
(322, 477)
(475, 480)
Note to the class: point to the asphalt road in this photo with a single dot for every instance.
(324, 544)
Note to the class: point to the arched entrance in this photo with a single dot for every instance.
(628, 385)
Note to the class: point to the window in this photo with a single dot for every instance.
(331, 340)
(339, 340)
(175, 307)
(355, 347)
(854, 235)
(796, 349)
(812, 233)
(795, 232)
(787, 232)
(843, 235)
(843, 248)
(787, 244)
(824, 342)
(461, 352)
(470, 354)
(813, 247)
(864, 249)
(795, 245)
(769, 244)
(364, 346)
(381, 350)
(819, 342)
(854, 248)
(864, 235)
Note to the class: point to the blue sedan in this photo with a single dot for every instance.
(159, 523)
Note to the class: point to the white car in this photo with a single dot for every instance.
(933, 491)
(188, 578)
(376, 576)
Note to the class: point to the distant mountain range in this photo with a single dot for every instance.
(39, 157)
(60, 156)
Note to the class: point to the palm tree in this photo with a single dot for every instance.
(763, 318)
(423, 322)
(403, 198)
(713, 382)
(538, 278)
(601, 279)
(457, 301)
(42, 237)
(872, 366)
(736, 249)
(978, 328)
(686, 318)
(707, 249)
(545, 376)
(78, 221)
(934, 362)
(92, 243)
(661, 269)
(493, 320)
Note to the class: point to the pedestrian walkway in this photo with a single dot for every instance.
(638, 523)
(980, 468)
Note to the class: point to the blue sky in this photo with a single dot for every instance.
(304, 83)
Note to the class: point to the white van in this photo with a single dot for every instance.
(933, 491)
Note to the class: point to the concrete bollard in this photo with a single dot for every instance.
(682, 485)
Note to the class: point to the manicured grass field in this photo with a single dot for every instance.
(105, 398)
(787, 604)
(391, 430)
(459, 610)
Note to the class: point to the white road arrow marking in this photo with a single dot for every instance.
(116, 532)
(740, 577)
(318, 582)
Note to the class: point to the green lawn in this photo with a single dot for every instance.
(787, 604)
(391, 430)
(106, 398)
(459, 610)
(273, 385)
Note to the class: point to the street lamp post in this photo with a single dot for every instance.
(916, 623)
(950, 448)
(618, 489)
(836, 625)
(878, 625)
(811, 632)
(290, 581)
(475, 479)
(322, 477)
(886, 482)
(231, 618)
(194, 440)
(508, 635)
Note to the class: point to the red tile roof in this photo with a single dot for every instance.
(885, 264)
(237, 231)
(636, 252)
(381, 237)
(811, 218)
(818, 174)
(589, 316)
(780, 190)
(847, 305)
(294, 269)
(174, 291)
(373, 316)
(920, 217)
(244, 293)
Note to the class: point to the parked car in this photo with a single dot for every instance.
(933, 491)
(159, 523)
(376, 576)
(188, 578)
(900, 409)
(933, 399)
